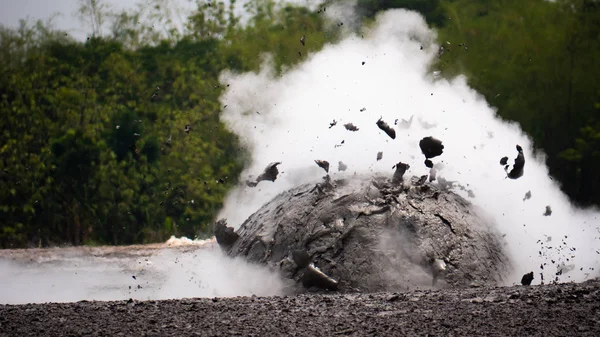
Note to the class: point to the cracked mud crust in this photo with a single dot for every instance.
(548, 310)
(370, 233)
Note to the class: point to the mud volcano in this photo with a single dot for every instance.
(370, 234)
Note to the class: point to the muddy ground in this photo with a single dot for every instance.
(547, 310)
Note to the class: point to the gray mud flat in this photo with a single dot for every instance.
(371, 233)
(547, 310)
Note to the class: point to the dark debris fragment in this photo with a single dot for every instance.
(517, 170)
(342, 166)
(401, 168)
(431, 147)
(527, 278)
(350, 127)
(332, 124)
(504, 161)
(323, 164)
(386, 128)
(548, 211)
(379, 155)
(270, 174)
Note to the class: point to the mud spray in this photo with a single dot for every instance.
(384, 73)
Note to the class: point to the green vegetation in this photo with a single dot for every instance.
(537, 61)
(118, 140)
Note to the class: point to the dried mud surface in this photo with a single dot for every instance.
(547, 310)
(369, 233)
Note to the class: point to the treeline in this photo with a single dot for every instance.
(538, 62)
(118, 140)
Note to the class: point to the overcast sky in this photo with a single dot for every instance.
(14, 10)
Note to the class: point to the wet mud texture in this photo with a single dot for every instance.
(550, 310)
(372, 233)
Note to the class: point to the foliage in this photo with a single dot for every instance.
(118, 140)
(539, 73)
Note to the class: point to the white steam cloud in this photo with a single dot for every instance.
(287, 119)
(109, 273)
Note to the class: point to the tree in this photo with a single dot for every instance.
(93, 13)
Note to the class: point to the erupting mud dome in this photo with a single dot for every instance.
(379, 91)
(370, 234)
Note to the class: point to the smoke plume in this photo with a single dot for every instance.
(386, 74)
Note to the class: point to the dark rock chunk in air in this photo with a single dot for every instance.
(401, 168)
(270, 174)
(431, 147)
(332, 124)
(527, 196)
(527, 278)
(428, 163)
(379, 155)
(323, 164)
(350, 127)
(517, 170)
(366, 234)
(342, 166)
(225, 235)
(503, 161)
(548, 211)
(303, 39)
(386, 128)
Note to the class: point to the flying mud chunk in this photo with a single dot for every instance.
(548, 211)
(379, 155)
(342, 166)
(527, 196)
(332, 124)
(225, 235)
(517, 170)
(270, 174)
(401, 168)
(527, 278)
(431, 148)
(503, 161)
(324, 164)
(350, 127)
(386, 128)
